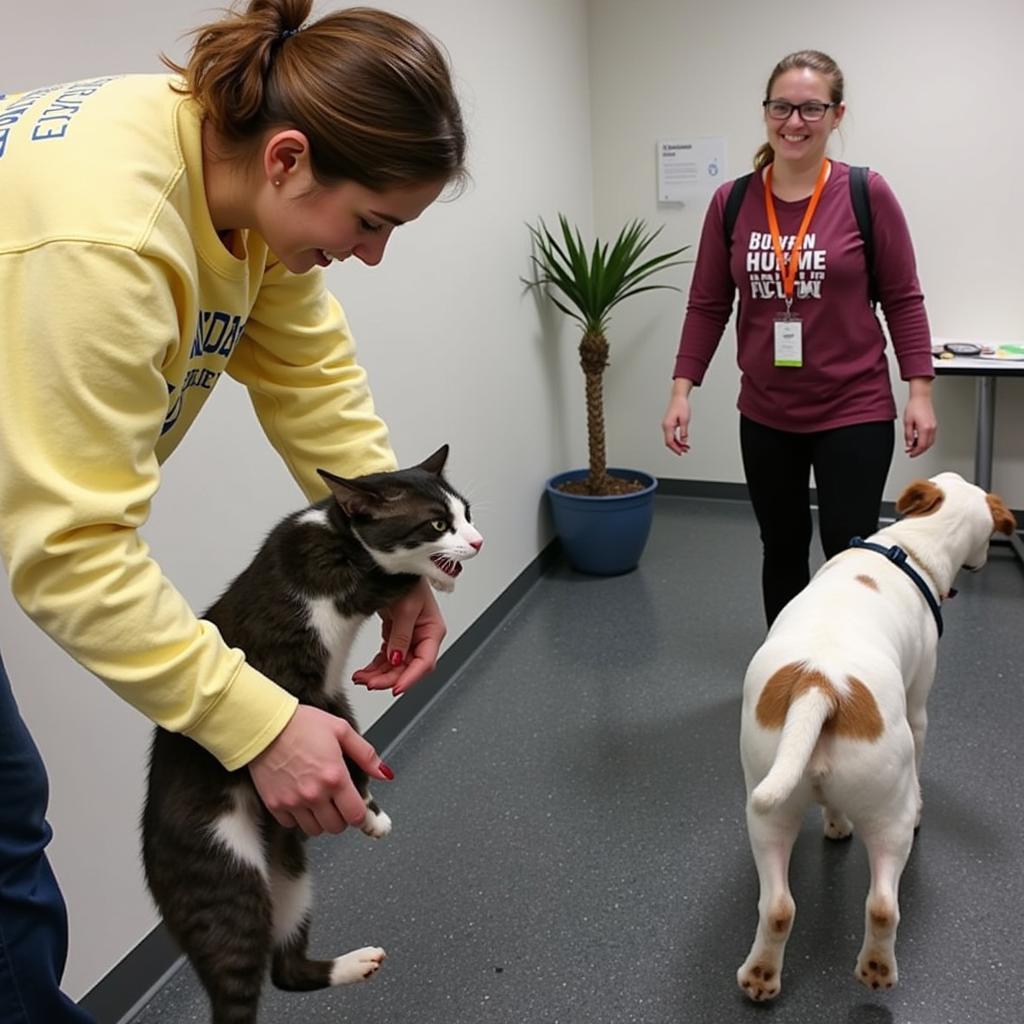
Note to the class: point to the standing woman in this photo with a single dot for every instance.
(815, 389)
(165, 230)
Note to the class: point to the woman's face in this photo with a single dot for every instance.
(794, 138)
(307, 225)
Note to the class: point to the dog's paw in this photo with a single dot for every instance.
(876, 969)
(359, 965)
(376, 824)
(759, 980)
(835, 825)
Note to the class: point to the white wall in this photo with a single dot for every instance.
(454, 351)
(930, 87)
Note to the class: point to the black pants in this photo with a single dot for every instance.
(850, 468)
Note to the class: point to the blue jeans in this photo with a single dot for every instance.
(33, 919)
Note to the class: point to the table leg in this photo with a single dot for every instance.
(986, 401)
(1017, 544)
(983, 450)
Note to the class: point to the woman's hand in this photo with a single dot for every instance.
(919, 422)
(302, 778)
(675, 426)
(412, 629)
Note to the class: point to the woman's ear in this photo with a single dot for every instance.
(285, 155)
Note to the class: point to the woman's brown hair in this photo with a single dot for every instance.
(815, 60)
(371, 91)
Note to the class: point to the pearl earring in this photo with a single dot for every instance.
(277, 182)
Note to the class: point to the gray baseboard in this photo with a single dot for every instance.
(118, 996)
(673, 488)
(721, 491)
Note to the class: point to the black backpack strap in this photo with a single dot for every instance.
(862, 211)
(732, 207)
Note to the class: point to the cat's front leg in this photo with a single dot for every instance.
(376, 824)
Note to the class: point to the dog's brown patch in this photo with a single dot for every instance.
(868, 582)
(1002, 518)
(858, 717)
(788, 683)
(920, 498)
(854, 715)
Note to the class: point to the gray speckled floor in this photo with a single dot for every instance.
(569, 842)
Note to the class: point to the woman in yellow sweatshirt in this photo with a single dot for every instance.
(204, 206)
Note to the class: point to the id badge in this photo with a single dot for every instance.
(789, 349)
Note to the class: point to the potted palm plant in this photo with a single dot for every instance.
(601, 515)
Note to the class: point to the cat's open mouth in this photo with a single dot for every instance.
(447, 565)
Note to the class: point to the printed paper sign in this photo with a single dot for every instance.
(689, 168)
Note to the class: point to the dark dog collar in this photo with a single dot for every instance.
(898, 557)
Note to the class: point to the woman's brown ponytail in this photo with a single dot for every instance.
(371, 91)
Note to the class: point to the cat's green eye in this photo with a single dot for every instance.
(440, 525)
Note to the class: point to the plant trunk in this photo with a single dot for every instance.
(593, 359)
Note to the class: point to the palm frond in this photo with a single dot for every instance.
(593, 283)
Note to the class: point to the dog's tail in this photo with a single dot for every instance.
(804, 719)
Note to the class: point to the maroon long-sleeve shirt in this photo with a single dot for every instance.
(844, 378)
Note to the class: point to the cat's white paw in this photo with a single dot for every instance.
(376, 824)
(447, 585)
(359, 965)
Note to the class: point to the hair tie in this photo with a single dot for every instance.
(289, 32)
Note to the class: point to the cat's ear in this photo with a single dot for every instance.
(353, 498)
(435, 463)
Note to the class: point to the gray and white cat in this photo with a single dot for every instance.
(232, 883)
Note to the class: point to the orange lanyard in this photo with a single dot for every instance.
(789, 268)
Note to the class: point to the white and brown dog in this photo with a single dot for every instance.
(834, 711)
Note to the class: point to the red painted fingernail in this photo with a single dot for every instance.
(396, 658)
(386, 771)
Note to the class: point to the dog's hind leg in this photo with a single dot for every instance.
(888, 847)
(771, 839)
(917, 717)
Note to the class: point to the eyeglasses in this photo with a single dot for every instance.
(812, 110)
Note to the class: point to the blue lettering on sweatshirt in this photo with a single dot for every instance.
(55, 120)
(14, 111)
(216, 334)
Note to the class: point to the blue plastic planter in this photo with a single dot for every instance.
(603, 536)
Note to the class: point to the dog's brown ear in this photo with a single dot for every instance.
(1002, 517)
(920, 498)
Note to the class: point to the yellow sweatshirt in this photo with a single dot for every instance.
(120, 308)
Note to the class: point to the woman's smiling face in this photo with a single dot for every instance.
(308, 225)
(794, 138)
